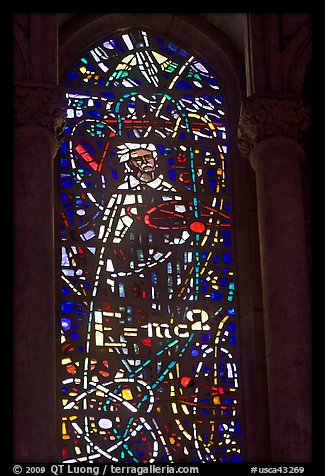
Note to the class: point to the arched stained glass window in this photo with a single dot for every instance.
(147, 295)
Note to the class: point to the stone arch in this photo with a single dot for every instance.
(80, 32)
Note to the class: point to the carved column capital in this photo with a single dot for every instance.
(42, 106)
(263, 117)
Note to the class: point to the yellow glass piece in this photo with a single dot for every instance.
(185, 409)
(160, 58)
(129, 60)
(65, 436)
(127, 394)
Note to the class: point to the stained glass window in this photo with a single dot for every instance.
(147, 310)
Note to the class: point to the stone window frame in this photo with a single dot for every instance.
(223, 58)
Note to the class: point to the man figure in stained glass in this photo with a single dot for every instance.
(123, 209)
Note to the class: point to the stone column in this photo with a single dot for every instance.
(271, 131)
(38, 127)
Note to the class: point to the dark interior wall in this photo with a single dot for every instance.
(222, 40)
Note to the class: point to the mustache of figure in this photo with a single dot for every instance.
(147, 166)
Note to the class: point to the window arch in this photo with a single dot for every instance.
(147, 297)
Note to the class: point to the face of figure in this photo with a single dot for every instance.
(143, 162)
